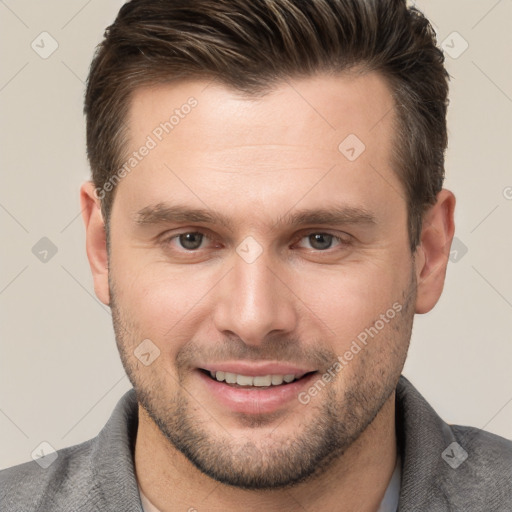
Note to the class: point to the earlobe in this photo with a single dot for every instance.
(433, 252)
(96, 241)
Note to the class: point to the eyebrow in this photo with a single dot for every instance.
(163, 213)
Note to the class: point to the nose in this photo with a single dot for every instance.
(254, 301)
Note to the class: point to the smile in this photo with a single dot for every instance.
(257, 381)
(256, 394)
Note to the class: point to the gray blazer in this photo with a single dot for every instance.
(473, 475)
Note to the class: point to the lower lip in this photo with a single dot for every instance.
(255, 400)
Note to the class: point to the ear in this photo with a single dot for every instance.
(431, 256)
(96, 240)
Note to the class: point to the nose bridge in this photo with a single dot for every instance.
(253, 302)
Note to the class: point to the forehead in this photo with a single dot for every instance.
(324, 105)
(212, 145)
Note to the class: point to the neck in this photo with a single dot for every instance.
(358, 479)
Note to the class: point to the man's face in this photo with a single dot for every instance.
(257, 295)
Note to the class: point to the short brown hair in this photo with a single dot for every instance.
(251, 45)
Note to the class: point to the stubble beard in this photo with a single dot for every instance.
(275, 461)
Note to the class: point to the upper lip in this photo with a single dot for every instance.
(255, 369)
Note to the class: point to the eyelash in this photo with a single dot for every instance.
(342, 242)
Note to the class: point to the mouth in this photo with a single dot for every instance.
(237, 380)
(252, 390)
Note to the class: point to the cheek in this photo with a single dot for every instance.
(347, 300)
(161, 304)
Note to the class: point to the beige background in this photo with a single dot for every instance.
(60, 374)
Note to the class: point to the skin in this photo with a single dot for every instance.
(255, 159)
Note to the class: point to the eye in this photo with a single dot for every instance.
(323, 241)
(190, 241)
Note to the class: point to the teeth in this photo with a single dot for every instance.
(230, 378)
(241, 380)
(259, 381)
(263, 381)
(277, 380)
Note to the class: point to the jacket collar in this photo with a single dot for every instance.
(422, 436)
(114, 458)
